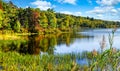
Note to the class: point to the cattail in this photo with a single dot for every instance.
(103, 43)
(94, 52)
(114, 30)
(114, 50)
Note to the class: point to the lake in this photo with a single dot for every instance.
(86, 40)
(91, 42)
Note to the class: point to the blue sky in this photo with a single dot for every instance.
(99, 9)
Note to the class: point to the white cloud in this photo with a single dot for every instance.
(77, 13)
(100, 15)
(106, 6)
(107, 2)
(114, 11)
(67, 1)
(71, 13)
(43, 5)
(102, 10)
(105, 10)
(26, 6)
(96, 10)
(66, 12)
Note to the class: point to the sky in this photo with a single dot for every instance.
(98, 9)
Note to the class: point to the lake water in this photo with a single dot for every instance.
(90, 43)
(87, 40)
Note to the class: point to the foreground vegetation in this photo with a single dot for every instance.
(108, 60)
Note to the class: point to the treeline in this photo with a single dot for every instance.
(34, 20)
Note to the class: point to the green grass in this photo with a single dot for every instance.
(16, 62)
(108, 60)
(13, 61)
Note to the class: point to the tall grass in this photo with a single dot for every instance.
(13, 61)
(17, 62)
(107, 60)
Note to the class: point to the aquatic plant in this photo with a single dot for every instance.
(107, 60)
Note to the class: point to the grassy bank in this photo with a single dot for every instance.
(13, 61)
(16, 62)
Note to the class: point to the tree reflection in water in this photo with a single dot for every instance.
(35, 44)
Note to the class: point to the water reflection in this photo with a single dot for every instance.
(62, 43)
(96, 36)
(35, 44)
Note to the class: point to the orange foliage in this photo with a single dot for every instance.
(39, 28)
(36, 15)
(1, 6)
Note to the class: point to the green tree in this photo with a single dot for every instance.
(71, 22)
(23, 18)
(31, 20)
(52, 21)
(13, 14)
(50, 10)
(1, 18)
(66, 21)
(17, 26)
(43, 20)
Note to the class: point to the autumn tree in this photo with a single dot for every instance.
(1, 14)
(43, 20)
(32, 19)
(52, 21)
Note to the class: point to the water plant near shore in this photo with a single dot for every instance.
(18, 62)
(107, 60)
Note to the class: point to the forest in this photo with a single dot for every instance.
(34, 20)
